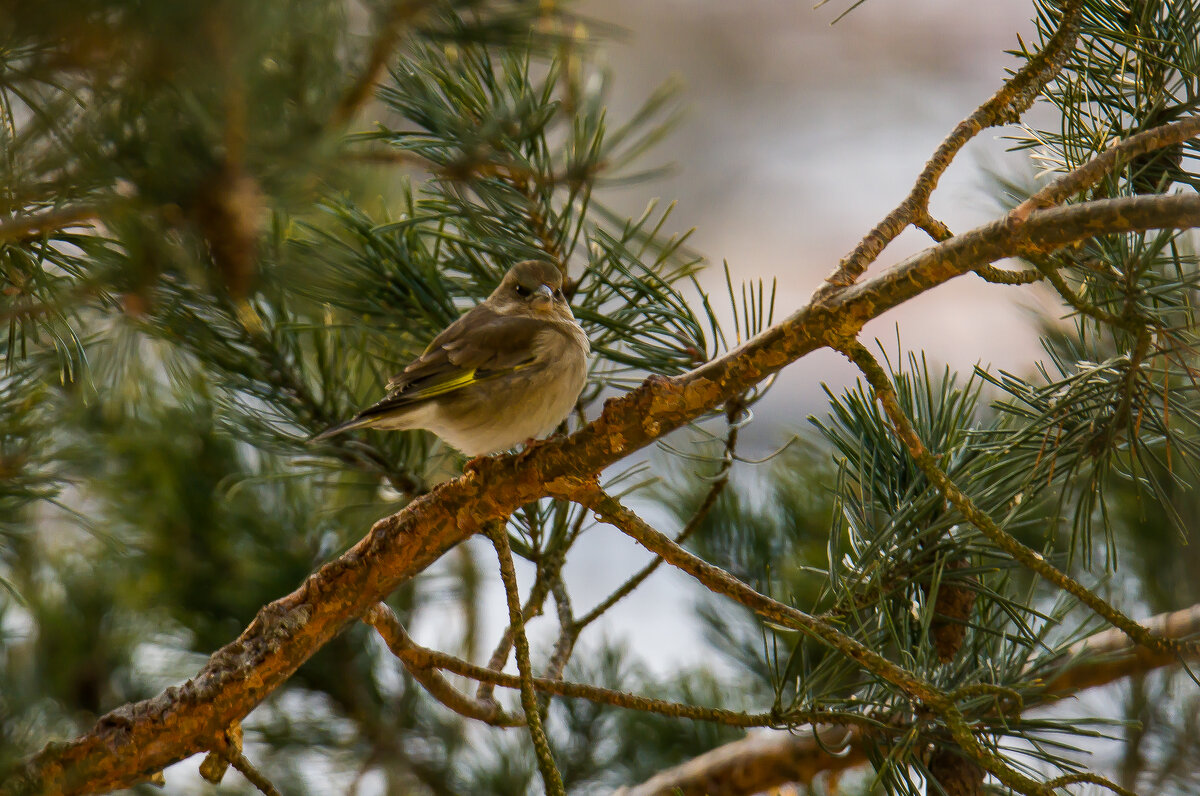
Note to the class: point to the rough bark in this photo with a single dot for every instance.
(138, 740)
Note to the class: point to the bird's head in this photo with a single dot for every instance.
(532, 288)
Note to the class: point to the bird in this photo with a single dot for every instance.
(507, 371)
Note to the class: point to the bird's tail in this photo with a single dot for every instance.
(349, 425)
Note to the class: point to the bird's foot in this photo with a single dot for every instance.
(533, 443)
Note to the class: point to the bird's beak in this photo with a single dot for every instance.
(543, 297)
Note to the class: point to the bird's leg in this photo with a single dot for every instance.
(534, 442)
(472, 466)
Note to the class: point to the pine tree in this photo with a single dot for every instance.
(226, 225)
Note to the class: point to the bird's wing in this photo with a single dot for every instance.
(480, 345)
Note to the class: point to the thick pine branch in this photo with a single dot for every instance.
(135, 741)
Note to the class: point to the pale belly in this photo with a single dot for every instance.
(525, 406)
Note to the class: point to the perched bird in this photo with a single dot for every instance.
(507, 371)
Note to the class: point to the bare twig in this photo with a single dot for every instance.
(1005, 106)
(999, 276)
(227, 743)
(253, 775)
(1090, 779)
(387, 624)
(1114, 157)
(401, 13)
(548, 573)
(497, 531)
(693, 524)
(565, 645)
(227, 751)
(618, 699)
(567, 633)
(932, 227)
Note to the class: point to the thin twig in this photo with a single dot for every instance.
(1054, 276)
(398, 16)
(387, 624)
(30, 227)
(565, 645)
(858, 354)
(567, 633)
(225, 751)
(497, 531)
(549, 571)
(1005, 106)
(693, 524)
(999, 276)
(1090, 173)
(1091, 779)
(721, 582)
(627, 701)
(253, 775)
(932, 227)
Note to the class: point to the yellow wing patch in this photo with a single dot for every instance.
(458, 382)
(446, 386)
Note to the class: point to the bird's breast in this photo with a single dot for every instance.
(502, 412)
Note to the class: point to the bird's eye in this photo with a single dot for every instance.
(558, 294)
(522, 291)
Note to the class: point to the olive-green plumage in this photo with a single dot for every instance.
(507, 371)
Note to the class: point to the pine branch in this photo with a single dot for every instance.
(1005, 106)
(433, 659)
(146, 736)
(917, 689)
(385, 622)
(35, 225)
(722, 583)
(1113, 158)
(497, 531)
(398, 16)
(763, 761)
(1031, 559)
